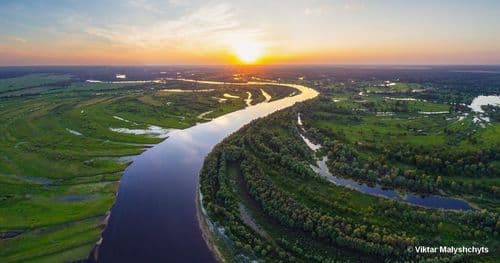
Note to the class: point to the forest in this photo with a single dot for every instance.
(259, 187)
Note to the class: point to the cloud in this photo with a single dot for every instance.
(18, 40)
(145, 5)
(208, 27)
(178, 2)
(158, 6)
(314, 11)
(354, 5)
(327, 9)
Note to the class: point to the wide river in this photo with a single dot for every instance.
(154, 218)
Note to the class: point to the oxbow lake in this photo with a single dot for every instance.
(428, 201)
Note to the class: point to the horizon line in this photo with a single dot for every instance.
(248, 65)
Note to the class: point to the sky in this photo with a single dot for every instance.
(175, 32)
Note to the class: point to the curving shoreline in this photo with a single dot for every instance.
(161, 185)
(207, 232)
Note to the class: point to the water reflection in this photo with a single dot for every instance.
(154, 217)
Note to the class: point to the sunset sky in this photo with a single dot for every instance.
(148, 32)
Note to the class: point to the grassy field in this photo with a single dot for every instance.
(391, 87)
(60, 143)
(32, 81)
(432, 139)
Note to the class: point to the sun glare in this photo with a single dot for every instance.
(247, 52)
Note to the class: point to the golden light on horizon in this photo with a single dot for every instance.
(247, 52)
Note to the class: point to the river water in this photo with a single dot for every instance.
(480, 101)
(428, 201)
(154, 218)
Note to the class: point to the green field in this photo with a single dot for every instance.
(60, 160)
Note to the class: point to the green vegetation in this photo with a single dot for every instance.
(392, 138)
(60, 164)
(402, 144)
(32, 81)
(391, 87)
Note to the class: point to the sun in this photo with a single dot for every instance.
(247, 52)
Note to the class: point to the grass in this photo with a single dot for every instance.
(57, 244)
(398, 87)
(39, 206)
(54, 184)
(452, 131)
(31, 81)
(409, 126)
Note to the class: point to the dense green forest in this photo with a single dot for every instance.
(258, 185)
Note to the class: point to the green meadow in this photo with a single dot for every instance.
(60, 146)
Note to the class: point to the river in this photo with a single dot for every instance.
(154, 218)
(427, 201)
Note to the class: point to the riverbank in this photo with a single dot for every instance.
(309, 219)
(169, 171)
(206, 226)
(207, 233)
(61, 147)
